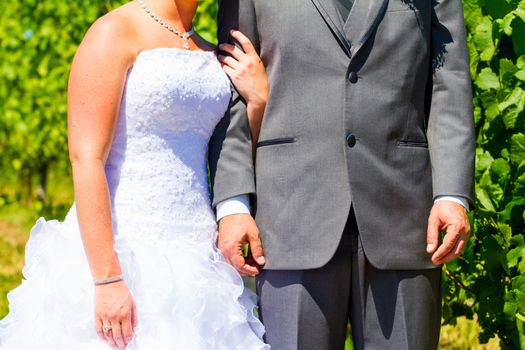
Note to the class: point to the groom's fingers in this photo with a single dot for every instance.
(235, 231)
(448, 246)
(232, 253)
(452, 217)
(245, 266)
(249, 270)
(434, 226)
(256, 248)
(227, 252)
(242, 266)
(455, 252)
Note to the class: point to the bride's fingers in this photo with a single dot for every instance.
(228, 70)
(246, 44)
(116, 330)
(134, 318)
(127, 330)
(98, 328)
(108, 335)
(233, 50)
(229, 61)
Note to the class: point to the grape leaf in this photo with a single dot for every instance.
(483, 39)
(487, 79)
(517, 148)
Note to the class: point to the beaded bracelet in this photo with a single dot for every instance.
(108, 280)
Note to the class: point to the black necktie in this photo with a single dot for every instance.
(344, 7)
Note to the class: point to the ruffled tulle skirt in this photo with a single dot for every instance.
(187, 296)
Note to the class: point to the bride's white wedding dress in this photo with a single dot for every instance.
(187, 296)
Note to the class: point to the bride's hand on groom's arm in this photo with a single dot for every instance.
(248, 74)
(246, 70)
(235, 231)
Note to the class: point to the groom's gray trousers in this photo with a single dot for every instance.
(388, 309)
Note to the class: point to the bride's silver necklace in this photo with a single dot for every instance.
(184, 36)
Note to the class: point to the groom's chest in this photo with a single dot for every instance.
(318, 31)
(294, 28)
(279, 20)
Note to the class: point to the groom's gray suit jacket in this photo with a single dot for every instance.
(373, 113)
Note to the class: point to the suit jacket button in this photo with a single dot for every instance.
(352, 77)
(351, 140)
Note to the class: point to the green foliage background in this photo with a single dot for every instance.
(38, 40)
(490, 278)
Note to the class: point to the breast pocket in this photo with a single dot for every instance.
(276, 141)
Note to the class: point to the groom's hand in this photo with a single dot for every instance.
(235, 231)
(452, 218)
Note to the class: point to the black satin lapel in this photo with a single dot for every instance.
(331, 15)
(364, 17)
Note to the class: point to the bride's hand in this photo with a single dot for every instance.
(115, 307)
(246, 70)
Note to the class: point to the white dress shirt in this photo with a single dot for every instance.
(241, 204)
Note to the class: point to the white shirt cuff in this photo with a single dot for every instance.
(236, 205)
(457, 199)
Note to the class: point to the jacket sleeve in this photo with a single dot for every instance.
(230, 149)
(450, 128)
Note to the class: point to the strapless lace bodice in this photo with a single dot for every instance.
(157, 167)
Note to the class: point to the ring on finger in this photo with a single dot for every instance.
(106, 329)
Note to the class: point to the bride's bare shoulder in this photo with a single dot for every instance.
(114, 33)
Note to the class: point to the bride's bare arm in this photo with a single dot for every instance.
(247, 72)
(96, 83)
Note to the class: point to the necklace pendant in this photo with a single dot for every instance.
(184, 36)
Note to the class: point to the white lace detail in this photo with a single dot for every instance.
(157, 168)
